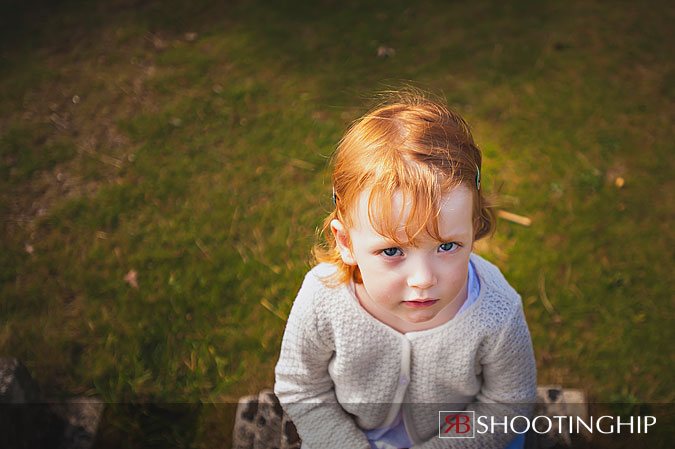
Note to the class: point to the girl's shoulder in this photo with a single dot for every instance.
(322, 270)
(319, 288)
(321, 277)
(498, 299)
(491, 277)
(320, 306)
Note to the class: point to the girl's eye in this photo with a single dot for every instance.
(448, 247)
(390, 252)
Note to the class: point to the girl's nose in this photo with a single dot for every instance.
(422, 276)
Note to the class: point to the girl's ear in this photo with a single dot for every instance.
(342, 241)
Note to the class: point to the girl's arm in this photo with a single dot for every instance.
(509, 386)
(303, 384)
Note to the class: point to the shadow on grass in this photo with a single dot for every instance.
(165, 426)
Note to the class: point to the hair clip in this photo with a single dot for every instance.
(334, 197)
(477, 177)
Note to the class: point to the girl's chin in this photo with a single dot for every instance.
(418, 316)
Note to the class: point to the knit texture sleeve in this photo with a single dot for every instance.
(509, 369)
(303, 384)
(509, 386)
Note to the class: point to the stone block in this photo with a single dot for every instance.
(16, 384)
(27, 420)
(260, 423)
(557, 401)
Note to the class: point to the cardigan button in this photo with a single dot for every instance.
(404, 381)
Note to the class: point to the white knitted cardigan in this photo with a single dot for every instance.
(341, 370)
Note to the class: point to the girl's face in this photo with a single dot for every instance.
(412, 282)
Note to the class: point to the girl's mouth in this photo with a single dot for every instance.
(420, 302)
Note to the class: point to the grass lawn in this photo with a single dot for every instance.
(164, 169)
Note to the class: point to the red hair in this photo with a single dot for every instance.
(414, 146)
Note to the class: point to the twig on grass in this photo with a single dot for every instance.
(519, 219)
(545, 300)
(235, 216)
(201, 246)
(87, 148)
(266, 304)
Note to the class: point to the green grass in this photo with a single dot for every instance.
(25, 150)
(202, 166)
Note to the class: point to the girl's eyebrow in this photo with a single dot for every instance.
(386, 243)
(457, 236)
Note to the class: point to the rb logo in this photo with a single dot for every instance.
(456, 424)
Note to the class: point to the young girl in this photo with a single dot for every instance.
(400, 320)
